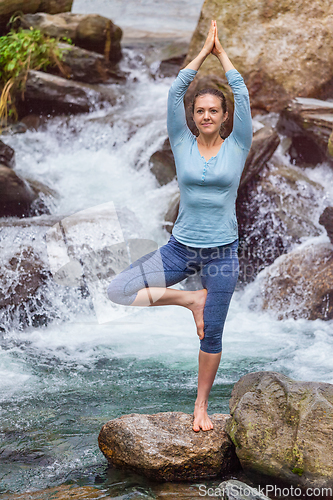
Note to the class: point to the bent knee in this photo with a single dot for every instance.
(116, 293)
(210, 348)
(212, 342)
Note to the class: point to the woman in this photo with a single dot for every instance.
(205, 235)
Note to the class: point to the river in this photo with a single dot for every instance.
(62, 381)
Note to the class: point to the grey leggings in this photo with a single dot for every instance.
(217, 266)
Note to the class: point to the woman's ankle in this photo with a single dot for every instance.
(201, 404)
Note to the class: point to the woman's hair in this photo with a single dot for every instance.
(211, 91)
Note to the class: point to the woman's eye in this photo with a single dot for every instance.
(214, 111)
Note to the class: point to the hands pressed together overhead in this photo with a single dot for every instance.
(212, 44)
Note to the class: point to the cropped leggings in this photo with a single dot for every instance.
(217, 266)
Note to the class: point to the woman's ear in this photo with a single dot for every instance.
(225, 117)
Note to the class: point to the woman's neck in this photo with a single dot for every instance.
(209, 141)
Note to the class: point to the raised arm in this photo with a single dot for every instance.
(242, 127)
(176, 121)
(206, 49)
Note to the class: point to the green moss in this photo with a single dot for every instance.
(330, 146)
(298, 471)
(231, 429)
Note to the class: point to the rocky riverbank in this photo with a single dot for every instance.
(279, 432)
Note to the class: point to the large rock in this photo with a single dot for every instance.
(326, 220)
(86, 66)
(44, 197)
(283, 49)
(309, 123)
(275, 211)
(300, 284)
(164, 446)
(162, 164)
(22, 197)
(10, 7)
(52, 94)
(16, 196)
(282, 429)
(89, 31)
(264, 143)
(7, 155)
(171, 66)
(20, 277)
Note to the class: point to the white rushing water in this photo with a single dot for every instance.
(59, 383)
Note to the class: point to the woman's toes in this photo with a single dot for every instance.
(196, 427)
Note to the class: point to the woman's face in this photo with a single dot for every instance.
(208, 114)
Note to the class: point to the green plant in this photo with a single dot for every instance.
(67, 40)
(21, 51)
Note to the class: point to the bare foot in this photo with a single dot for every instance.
(201, 418)
(197, 304)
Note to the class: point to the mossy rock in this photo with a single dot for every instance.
(282, 429)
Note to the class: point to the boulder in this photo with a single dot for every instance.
(275, 211)
(282, 49)
(32, 121)
(49, 94)
(326, 220)
(171, 66)
(16, 196)
(7, 155)
(164, 447)
(86, 66)
(162, 164)
(10, 7)
(22, 197)
(237, 490)
(309, 123)
(264, 143)
(88, 31)
(43, 196)
(14, 128)
(282, 429)
(300, 284)
(20, 277)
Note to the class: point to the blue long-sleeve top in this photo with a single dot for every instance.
(208, 189)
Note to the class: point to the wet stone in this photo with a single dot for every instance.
(164, 447)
